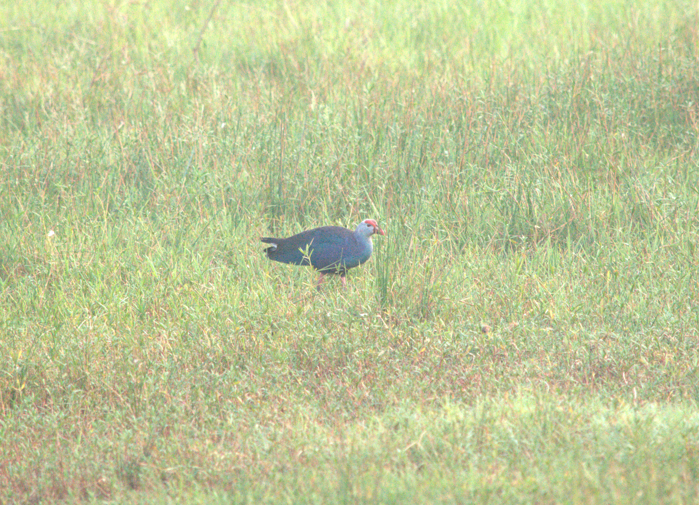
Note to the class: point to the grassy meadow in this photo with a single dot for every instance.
(526, 332)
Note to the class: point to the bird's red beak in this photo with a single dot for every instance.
(379, 230)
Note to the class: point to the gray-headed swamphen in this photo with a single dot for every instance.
(328, 249)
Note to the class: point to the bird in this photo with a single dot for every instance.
(331, 250)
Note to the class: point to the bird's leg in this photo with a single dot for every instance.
(344, 281)
(320, 281)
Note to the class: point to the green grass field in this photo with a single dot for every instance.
(527, 331)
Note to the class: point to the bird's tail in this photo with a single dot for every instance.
(270, 240)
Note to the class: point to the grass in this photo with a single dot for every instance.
(527, 332)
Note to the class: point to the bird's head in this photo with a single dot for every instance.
(368, 227)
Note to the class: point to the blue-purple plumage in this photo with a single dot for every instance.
(328, 249)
